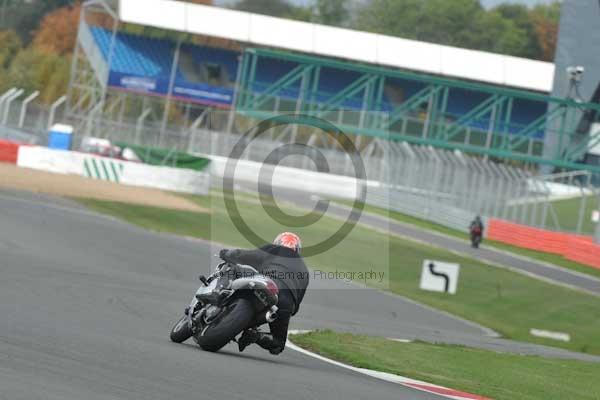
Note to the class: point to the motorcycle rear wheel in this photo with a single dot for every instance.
(232, 320)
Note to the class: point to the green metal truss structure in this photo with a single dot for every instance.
(422, 118)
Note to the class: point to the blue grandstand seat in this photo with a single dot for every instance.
(135, 54)
(152, 57)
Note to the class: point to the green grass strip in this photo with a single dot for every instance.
(432, 226)
(500, 376)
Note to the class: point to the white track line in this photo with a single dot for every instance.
(384, 376)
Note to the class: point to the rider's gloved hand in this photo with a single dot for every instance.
(223, 254)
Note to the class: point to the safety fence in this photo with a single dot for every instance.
(432, 184)
(419, 204)
(573, 247)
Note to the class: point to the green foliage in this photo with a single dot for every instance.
(508, 29)
(268, 7)
(11, 45)
(276, 8)
(331, 12)
(550, 11)
(32, 70)
(521, 18)
(25, 16)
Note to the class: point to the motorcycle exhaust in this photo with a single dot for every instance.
(271, 315)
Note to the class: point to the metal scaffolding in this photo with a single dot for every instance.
(499, 137)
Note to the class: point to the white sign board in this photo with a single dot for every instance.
(439, 276)
(596, 216)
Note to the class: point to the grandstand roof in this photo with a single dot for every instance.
(348, 44)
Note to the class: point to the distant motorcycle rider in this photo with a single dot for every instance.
(280, 261)
(476, 230)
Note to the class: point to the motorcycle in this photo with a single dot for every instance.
(225, 305)
(476, 237)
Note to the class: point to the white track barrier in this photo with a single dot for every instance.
(319, 183)
(113, 170)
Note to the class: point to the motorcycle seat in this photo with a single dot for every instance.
(246, 271)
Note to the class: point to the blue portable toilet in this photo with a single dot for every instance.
(59, 137)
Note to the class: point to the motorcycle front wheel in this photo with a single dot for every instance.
(232, 320)
(181, 331)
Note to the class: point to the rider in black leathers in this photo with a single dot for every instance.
(476, 229)
(280, 261)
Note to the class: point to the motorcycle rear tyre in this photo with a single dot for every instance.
(228, 325)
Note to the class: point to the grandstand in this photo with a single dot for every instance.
(375, 87)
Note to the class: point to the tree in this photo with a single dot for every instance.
(58, 31)
(299, 14)
(331, 12)
(507, 29)
(520, 16)
(275, 8)
(498, 34)
(438, 21)
(34, 70)
(391, 17)
(25, 16)
(11, 45)
(546, 18)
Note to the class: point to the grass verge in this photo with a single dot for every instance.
(500, 376)
(505, 301)
(537, 255)
(567, 213)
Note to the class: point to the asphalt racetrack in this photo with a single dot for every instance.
(87, 302)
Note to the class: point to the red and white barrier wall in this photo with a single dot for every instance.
(102, 168)
(573, 247)
(9, 151)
